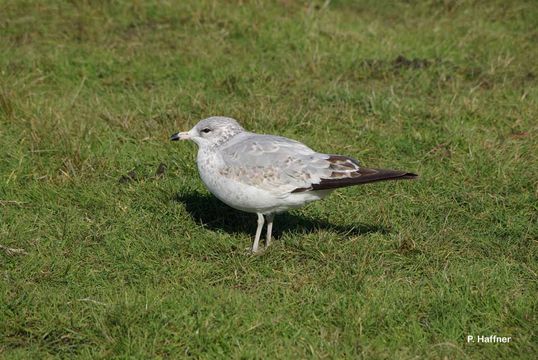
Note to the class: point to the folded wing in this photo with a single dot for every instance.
(284, 166)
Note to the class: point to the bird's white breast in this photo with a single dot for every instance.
(246, 197)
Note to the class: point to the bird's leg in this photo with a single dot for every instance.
(258, 233)
(269, 229)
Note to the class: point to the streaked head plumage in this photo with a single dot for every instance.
(212, 131)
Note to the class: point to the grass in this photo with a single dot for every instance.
(152, 266)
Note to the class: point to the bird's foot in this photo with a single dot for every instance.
(250, 251)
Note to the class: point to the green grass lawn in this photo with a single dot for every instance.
(117, 261)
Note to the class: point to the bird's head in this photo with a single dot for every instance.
(215, 130)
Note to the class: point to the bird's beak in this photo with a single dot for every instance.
(180, 136)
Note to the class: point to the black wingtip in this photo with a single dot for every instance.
(409, 176)
(366, 176)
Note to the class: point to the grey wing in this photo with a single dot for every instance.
(281, 165)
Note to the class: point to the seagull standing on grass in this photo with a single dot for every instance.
(267, 174)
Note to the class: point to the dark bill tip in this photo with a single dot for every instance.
(174, 137)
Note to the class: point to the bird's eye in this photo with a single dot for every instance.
(206, 130)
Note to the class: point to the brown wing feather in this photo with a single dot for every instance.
(346, 172)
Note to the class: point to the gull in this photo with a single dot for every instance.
(268, 174)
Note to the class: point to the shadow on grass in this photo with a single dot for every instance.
(216, 215)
